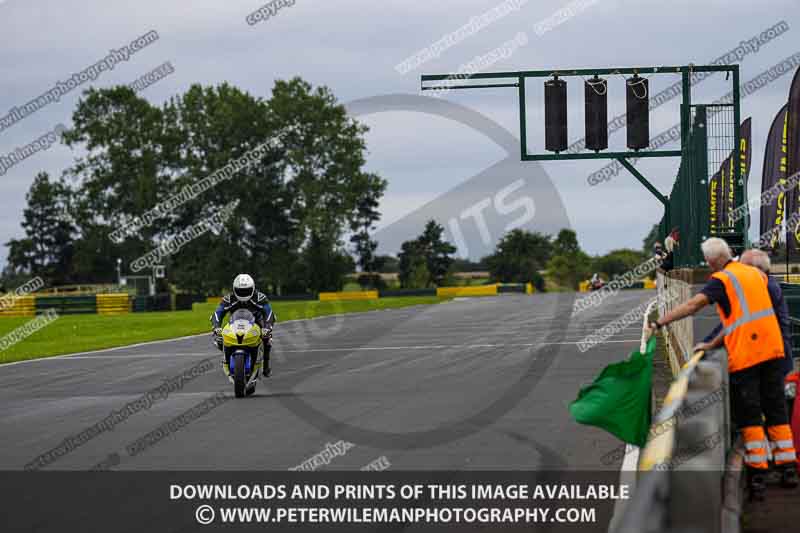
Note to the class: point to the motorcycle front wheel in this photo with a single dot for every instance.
(238, 375)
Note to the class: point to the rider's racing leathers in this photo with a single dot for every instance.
(262, 310)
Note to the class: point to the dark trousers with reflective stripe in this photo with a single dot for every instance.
(759, 390)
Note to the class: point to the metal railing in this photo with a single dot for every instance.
(678, 336)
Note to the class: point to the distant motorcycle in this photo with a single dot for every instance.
(243, 347)
(596, 285)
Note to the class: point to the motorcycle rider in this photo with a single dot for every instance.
(245, 296)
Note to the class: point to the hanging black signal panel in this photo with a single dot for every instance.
(637, 98)
(596, 100)
(555, 115)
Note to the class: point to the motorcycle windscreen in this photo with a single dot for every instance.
(243, 314)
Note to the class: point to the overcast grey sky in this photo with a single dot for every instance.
(352, 46)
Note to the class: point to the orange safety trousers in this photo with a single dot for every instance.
(780, 444)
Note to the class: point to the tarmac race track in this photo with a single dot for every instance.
(480, 383)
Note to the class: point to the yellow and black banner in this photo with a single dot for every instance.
(772, 211)
(793, 159)
(714, 198)
(745, 155)
(727, 195)
(722, 186)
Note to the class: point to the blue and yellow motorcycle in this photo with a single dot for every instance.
(243, 347)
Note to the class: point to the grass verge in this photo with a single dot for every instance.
(80, 333)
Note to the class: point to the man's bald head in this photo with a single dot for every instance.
(758, 259)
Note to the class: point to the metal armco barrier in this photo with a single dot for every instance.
(67, 305)
(166, 302)
(674, 288)
(684, 462)
(525, 288)
(342, 296)
(113, 304)
(17, 306)
(103, 304)
(399, 293)
(480, 290)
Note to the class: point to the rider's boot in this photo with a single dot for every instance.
(267, 369)
(218, 344)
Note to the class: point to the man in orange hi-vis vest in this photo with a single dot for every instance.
(752, 336)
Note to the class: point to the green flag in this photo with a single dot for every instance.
(619, 399)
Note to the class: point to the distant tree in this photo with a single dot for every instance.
(569, 270)
(47, 248)
(438, 252)
(519, 256)
(372, 281)
(569, 265)
(410, 258)
(419, 276)
(387, 264)
(324, 153)
(617, 262)
(364, 248)
(325, 265)
(363, 223)
(566, 243)
(95, 256)
(432, 250)
(650, 240)
(465, 265)
(413, 269)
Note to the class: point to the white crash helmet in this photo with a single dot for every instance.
(244, 287)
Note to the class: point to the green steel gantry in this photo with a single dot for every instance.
(693, 222)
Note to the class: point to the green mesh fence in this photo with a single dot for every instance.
(706, 190)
